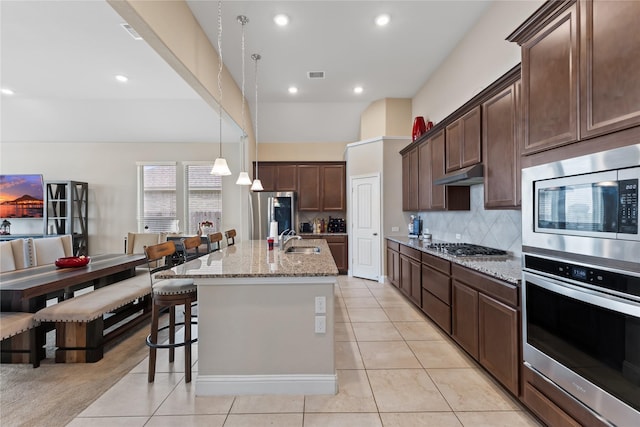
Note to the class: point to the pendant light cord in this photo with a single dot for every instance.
(243, 20)
(256, 57)
(220, 71)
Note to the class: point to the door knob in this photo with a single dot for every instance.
(375, 234)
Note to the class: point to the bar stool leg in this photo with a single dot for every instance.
(154, 339)
(172, 332)
(187, 338)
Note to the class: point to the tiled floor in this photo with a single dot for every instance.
(395, 369)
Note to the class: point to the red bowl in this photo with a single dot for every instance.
(73, 261)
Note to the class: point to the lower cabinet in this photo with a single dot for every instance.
(436, 290)
(410, 274)
(339, 247)
(393, 263)
(486, 323)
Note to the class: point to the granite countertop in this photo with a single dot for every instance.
(253, 259)
(306, 235)
(508, 269)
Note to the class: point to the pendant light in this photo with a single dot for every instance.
(257, 184)
(220, 166)
(243, 177)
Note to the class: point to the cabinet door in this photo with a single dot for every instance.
(410, 180)
(424, 176)
(338, 246)
(550, 84)
(287, 178)
(610, 60)
(437, 170)
(308, 187)
(453, 145)
(498, 350)
(470, 150)
(501, 150)
(464, 309)
(267, 175)
(333, 188)
(416, 282)
(405, 274)
(393, 266)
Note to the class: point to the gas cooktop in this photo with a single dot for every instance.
(466, 250)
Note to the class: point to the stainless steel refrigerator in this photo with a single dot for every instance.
(272, 206)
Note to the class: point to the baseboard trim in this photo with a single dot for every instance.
(216, 385)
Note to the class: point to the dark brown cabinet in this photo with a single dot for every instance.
(463, 143)
(308, 187)
(393, 263)
(465, 317)
(438, 198)
(501, 149)
(425, 181)
(410, 180)
(334, 185)
(339, 249)
(267, 175)
(486, 323)
(286, 178)
(579, 76)
(609, 66)
(321, 187)
(436, 290)
(410, 274)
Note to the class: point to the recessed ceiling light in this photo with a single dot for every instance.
(293, 89)
(6, 91)
(122, 78)
(281, 20)
(358, 89)
(382, 20)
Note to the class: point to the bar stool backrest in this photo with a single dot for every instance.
(231, 236)
(215, 239)
(157, 255)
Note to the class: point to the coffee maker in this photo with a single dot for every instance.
(415, 226)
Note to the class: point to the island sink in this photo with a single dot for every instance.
(302, 250)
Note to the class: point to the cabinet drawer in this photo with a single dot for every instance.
(502, 291)
(437, 283)
(335, 239)
(394, 246)
(545, 409)
(410, 252)
(437, 263)
(437, 310)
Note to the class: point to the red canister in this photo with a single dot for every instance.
(419, 127)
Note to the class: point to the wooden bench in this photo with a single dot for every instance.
(16, 323)
(86, 323)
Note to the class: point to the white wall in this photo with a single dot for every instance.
(110, 171)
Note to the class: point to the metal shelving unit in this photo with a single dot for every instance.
(67, 212)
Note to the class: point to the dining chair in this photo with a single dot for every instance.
(231, 236)
(169, 293)
(214, 239)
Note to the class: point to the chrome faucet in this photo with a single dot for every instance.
(286, 236)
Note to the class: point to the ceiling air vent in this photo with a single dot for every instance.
(316, 74)
(133, 33)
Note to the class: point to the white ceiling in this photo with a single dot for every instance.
(60, 58)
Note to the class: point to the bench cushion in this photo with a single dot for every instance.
(93, 305)
(13, 323)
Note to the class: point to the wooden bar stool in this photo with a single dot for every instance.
(231, 237)
(214, 239)
(169, 293)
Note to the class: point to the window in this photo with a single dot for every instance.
(165, 186)
(203, 196)
(157, 197)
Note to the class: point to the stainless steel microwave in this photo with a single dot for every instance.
(587, 205)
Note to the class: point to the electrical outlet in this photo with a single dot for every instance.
(321, 324)
(321, 305)
(458, 236)
(395, 229)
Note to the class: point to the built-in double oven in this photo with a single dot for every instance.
(581, 279)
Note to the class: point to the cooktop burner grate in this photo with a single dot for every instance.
(466, 249)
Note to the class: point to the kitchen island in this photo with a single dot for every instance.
(265, 319)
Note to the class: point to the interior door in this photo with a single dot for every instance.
(365, 227)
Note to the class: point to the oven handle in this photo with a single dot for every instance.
(579, 293)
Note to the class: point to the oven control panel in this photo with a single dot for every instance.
(561, 270)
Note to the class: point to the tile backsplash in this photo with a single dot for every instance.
(500, 229)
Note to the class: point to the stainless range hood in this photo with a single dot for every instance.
(470, 175)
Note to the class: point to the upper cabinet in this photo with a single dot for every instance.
(321, 186)
(463, 146)
(500, 145)
(410, 174)
(579, 71)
